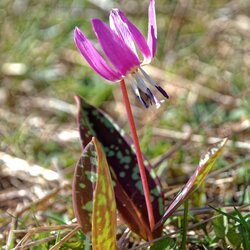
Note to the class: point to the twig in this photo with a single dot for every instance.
(33, 231)
(156, 162)
(180, 82)
(176, 232)
(206, 210)
(46, 229)
(174, 149)
(176, 22)
(40, 230)
(179, 144)
(12, 193)
(230, 167)
(185, 226)
(63, 240)
(124, 239)
(180, 230)
(197, 138)
(19, 212)
(36, 243)
(42, 200)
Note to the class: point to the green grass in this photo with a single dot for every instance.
(194, 44)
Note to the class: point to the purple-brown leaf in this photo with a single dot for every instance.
(83, 186)
(124, 170)
(206, 163)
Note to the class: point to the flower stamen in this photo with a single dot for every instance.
(137, 93)
(141, 82)
(153, 83)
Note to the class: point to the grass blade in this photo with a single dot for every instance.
(184, 226)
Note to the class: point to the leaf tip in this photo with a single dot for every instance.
(94, 140)
(223, 142)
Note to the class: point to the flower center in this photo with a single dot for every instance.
(140, 82)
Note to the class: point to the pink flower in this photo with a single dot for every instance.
(120, 42)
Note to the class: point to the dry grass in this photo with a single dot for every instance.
(203, 61)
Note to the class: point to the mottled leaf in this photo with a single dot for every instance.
(124, 169)
(83, 186)
(104, 206)
(206, 163)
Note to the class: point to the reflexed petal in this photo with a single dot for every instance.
(94, 59)
(129, 31)
(152, 28)
(119, 54)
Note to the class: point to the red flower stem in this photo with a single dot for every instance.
(138, 155)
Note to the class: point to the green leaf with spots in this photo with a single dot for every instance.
(104, 206)
(83, 186)
(122, 161)
(206, 163)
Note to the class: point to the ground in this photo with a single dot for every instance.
(202, 61)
